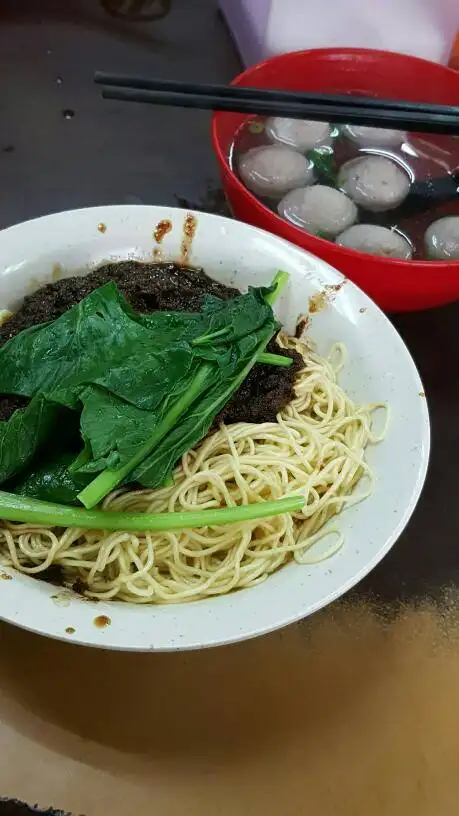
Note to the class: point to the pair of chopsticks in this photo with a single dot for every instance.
(339, 109)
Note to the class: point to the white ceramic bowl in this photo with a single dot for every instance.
(380, 368)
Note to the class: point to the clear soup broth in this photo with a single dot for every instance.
(387, 193)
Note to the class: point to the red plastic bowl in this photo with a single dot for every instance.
(397, 286)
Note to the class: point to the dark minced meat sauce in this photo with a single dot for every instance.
(158, 287)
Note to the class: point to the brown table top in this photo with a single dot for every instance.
(342, 715)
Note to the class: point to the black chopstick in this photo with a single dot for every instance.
(268, 95)
(338, 113)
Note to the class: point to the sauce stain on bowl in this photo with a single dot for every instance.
(157, 254)
(102, 621)
(320, 300)
(190, 226)
(161, 230)
(57, 272)
(5, 315)
(301, 326)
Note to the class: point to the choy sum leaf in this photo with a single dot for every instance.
(50, 480)
(22, 436)
(98, 341)
(224, 366)
(140, 388)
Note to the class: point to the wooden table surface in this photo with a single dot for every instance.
(345, 714)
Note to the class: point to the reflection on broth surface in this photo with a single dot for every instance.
(402, 182)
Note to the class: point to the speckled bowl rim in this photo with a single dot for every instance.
(380, 368)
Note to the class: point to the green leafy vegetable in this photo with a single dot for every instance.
(110, 478)
(50, 480)
(24, 434)
(228, 320)
(97, 341)
(323, 161)
(238, 344)
(142, 389)
(156, 468)
(17, 508)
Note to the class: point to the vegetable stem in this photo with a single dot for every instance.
(274, 359)
(34, 511)
(106, 481)
(82, 459)
(207, 338)
(279, 281)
